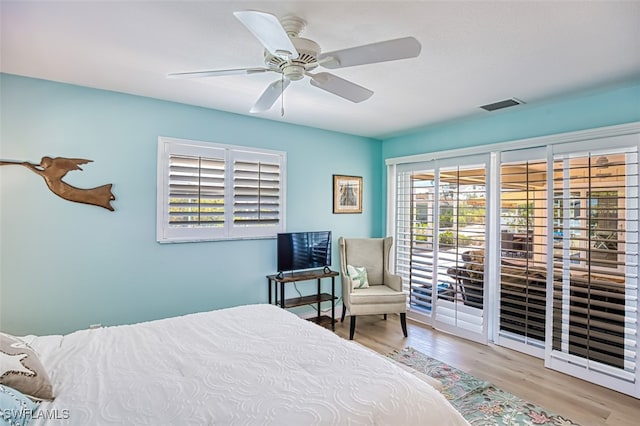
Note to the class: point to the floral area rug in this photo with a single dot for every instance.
(480, 402)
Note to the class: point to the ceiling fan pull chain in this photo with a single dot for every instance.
(282, 96)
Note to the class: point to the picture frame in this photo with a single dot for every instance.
(347, 194)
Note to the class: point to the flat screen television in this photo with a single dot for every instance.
(304, 250)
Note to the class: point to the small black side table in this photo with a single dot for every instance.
(318, 298)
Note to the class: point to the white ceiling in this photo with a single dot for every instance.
(473, 53)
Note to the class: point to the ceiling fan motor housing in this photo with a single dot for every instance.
(292, 25)
(294, 69)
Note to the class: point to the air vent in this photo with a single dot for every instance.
(502, 104)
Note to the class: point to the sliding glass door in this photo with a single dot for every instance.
(440, 234)
(570, 294)
(534, 248)
(595, 264)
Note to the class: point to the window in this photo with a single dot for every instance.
(209, 191)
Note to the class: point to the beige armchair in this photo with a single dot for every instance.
(384, 293)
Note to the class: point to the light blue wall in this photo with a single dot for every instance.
(597, 108)
(66, 265)
(587, 110)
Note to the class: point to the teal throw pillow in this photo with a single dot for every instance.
(358, 276)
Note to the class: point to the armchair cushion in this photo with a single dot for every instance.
(377, 294)
(358, 276)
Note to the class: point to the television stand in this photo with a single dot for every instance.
(317, 298)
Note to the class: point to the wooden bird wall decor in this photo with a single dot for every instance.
(54, 169)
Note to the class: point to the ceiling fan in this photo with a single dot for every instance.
(294, 57)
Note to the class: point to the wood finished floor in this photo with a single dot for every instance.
(520, 374)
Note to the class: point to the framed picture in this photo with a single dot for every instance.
(347, 194)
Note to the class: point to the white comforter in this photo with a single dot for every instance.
(250, 365)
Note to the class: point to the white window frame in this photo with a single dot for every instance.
(172, 146)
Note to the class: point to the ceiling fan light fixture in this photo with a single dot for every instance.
(293, 72)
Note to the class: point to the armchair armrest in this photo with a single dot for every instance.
(347, 286)
(393, 281)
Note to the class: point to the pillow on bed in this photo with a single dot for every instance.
(21, 369)
(15, 407)
(358, 276)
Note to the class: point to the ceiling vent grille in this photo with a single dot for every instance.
(502, 104)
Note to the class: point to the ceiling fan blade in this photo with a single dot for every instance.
(217, 73)
(341, 87)
(268, 30)
(270, 95)
(390, 50)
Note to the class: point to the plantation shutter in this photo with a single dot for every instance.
(523, 250)
(414, 239)
(196, 191)
(462, 228)
(257, 192)
(209, 192)
(595, 259)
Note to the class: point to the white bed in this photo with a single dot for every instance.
(247, 365)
